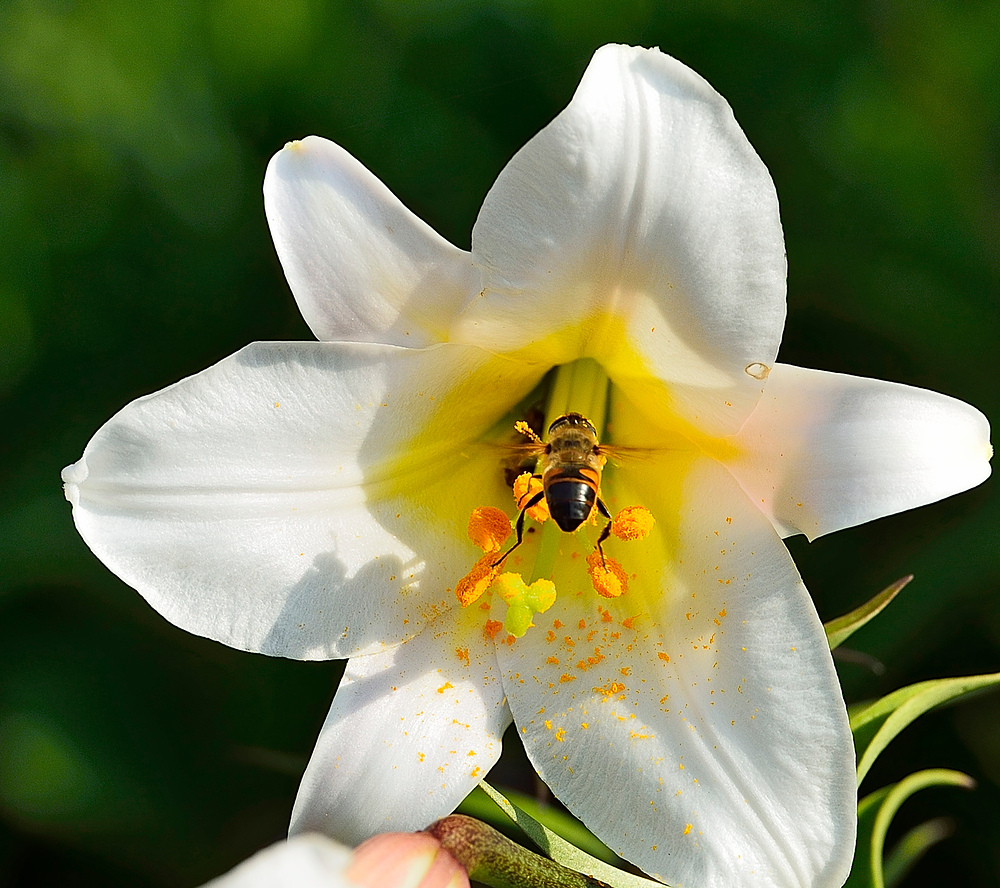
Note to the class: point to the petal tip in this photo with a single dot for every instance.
(297, 146)
(297, 150)
(72, 477)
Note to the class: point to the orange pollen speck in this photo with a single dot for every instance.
(471, 587)
(609, 577)
(608, 691)
(491, 628)
(525, 487)
(633, 523)
(488, 528)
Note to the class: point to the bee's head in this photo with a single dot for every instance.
(570, 421)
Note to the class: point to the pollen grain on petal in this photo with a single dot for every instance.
(491, 628)
(610, 690)
(633, 523)
(488, 528)
(607, 575)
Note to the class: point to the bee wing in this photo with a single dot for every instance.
(619, 453)
(515, 452)
(516, 459)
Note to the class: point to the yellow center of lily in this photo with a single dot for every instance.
(582, 383)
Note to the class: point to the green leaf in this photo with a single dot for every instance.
(861, 870)
(842, 628)
(562, 851)
(875, 726)
(875, 813)
(479, 805)
(913, 846)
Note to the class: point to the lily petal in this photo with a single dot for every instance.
(410, 733)
(361, 266)
(696, 723)
(301, 499)
(308, 861)
(824, 451)
(639, 228)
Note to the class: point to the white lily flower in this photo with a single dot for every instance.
(312, 500)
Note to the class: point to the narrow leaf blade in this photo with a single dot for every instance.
(875, 726)
(875, 814)
(842, 628)
(899, 794)
(913, 846)
(562, 851)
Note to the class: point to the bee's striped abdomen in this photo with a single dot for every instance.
(570, 495)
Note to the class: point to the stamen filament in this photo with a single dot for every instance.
(580, 387)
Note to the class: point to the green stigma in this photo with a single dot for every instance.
(523, 601)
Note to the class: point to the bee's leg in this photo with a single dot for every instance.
(539, 477)
(603, 509)
(534, 501)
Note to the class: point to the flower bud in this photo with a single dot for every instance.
(405, 860)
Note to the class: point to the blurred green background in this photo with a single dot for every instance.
(134, 251)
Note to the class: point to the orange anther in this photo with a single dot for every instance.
(471, 587)
(607, 575)
(633, 523)
(488, 528)
(525, 487)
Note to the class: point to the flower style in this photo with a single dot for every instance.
(313, 500)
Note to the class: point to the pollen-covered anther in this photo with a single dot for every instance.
(489, 528)
(633, 523)
(525, 487)
(607, 575)
(472, 586)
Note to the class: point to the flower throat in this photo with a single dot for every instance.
(567, 489)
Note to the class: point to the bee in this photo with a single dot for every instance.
(571, 464)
